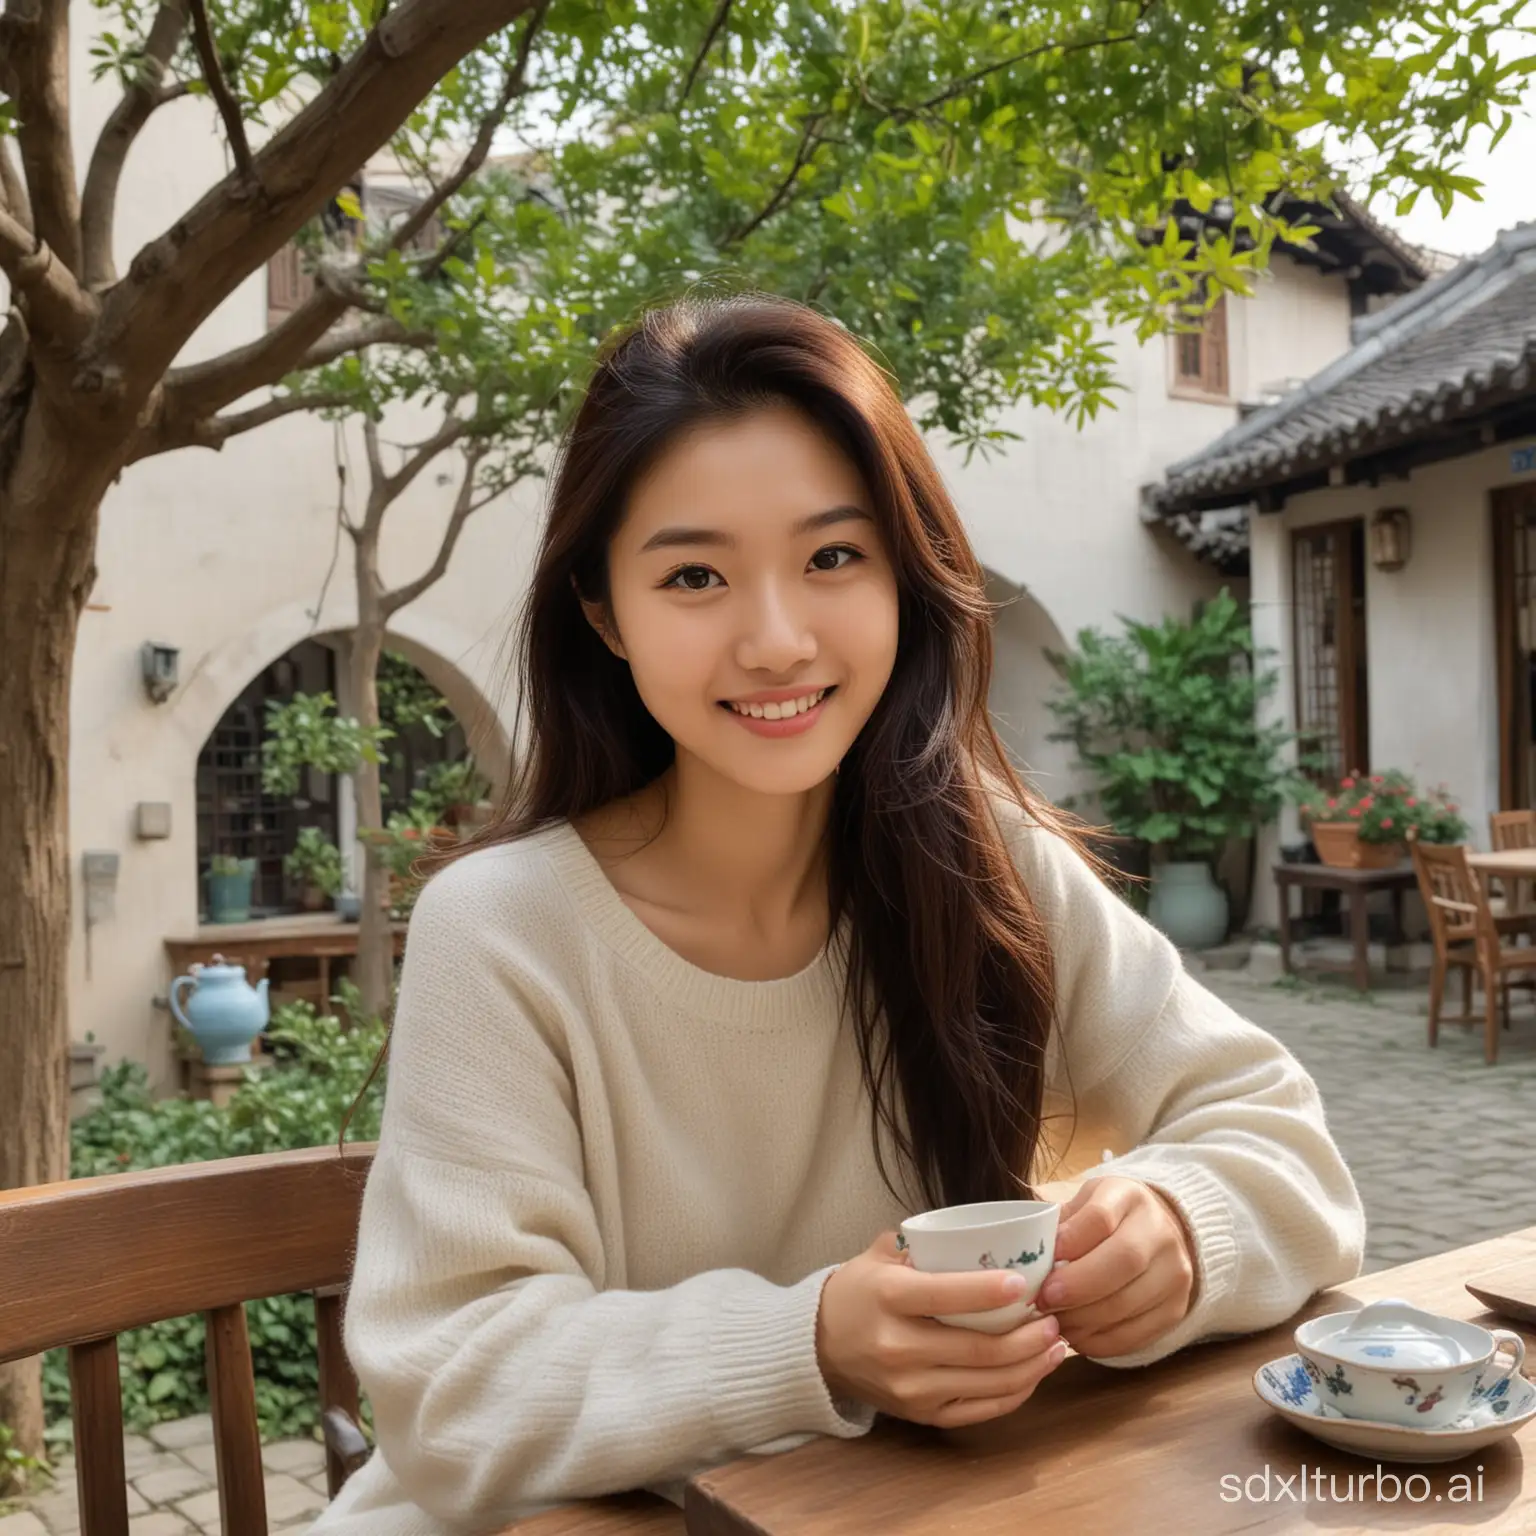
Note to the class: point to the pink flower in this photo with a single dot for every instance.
(1346, 783)
(1386, 821)
(1375, 778)
(1368, 802)
(1355, 812)
(1412, 801)
(1333, 805)
(1451, 809)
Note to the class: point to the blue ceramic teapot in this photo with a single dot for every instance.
(225, 1012)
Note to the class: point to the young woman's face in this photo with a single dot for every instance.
(749, 562)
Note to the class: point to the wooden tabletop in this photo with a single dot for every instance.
(1104, 1450)
(1334, 877)
(1512, 861)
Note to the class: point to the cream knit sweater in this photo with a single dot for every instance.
(610, 1185)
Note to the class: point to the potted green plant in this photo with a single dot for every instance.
(1166, 718)
(459, 791)
(1366, 820)
(314, 863)
(229, 888)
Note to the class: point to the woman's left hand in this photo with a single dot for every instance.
(1131, 1270)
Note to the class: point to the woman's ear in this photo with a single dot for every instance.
(597, 617)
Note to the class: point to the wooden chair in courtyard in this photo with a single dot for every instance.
(1513, 830)
(86, 1260)
(1467, 936)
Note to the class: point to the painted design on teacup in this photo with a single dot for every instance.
(1409, 1385)
(1336, 1383)
(901, 1243)
(1294, 1388)
(1380, 1351)
(1430, 1401)
(1310, 1367)
(986, 1261)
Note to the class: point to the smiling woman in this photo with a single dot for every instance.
(768, 949)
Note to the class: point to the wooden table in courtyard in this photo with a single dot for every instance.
(1355, 886)
(319, 936)
(1114, 1451)
(1511, 864)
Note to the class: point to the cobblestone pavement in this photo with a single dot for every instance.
(171, 1488)
(1442, 1147)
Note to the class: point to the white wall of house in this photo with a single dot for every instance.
(1432, 670)
(224, 556)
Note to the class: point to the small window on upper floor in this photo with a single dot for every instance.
(1200, 357)
(290, 271)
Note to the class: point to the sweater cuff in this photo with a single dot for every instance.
(1202, 1202)
(763, 1371)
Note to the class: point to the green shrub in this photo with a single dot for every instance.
(298, 1102)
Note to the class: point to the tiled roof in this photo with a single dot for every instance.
(1460, 344)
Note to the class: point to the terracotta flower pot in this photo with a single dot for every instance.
(1338, 845)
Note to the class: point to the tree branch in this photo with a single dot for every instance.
(377, 474)
(178, 279)
(34, 40)
(809, 141)
(385, 491)
(59, 314)
(98, 204)
(464, 504)
(512, 87)
(722, 10)
(213, 73)
(215, 431)
(12, 188)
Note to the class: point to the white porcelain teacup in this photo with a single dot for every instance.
(1394, 1363)
(1016, 1235)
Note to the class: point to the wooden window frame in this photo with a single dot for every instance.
(1211, 381)
(289, 281)
(1507, 504)
(1353, 724)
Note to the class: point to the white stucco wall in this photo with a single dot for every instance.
(1432, 666)
(224, 555)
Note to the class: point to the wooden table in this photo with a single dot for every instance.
(1356, 885)
(1104, 1450)
(1512, 864)
(320, 936)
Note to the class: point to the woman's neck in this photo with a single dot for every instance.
(752, 863)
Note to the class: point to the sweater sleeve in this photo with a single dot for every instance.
(1218, 1115)
(501, 1371)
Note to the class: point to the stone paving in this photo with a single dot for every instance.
(1442, 1147)
(171, 1489)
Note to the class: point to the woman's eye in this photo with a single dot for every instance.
(682, 578)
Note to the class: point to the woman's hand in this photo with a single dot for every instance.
(1131, 1270)
(877, 1341)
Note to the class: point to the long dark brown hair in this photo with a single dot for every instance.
(949, 980)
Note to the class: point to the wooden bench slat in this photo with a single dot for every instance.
(338, 1383)
(90, 1258)
(236, 1438)
(96, 1399)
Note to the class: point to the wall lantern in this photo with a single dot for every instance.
(158, 663)
(1391, 538)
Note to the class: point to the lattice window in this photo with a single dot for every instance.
(290, 271)
(1200, 363)
(1328, 597)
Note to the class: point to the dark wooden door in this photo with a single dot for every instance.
(1514, 609)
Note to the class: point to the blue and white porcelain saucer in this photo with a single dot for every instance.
(1287, 1388)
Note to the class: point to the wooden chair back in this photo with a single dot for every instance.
(85, 1260)
(1512, 829)
(1453, 897)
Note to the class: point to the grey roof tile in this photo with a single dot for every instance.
(1444, 351)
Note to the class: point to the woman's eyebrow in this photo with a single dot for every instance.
(671, 538)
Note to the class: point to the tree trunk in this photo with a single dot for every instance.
(49, 503)
(375, 951)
